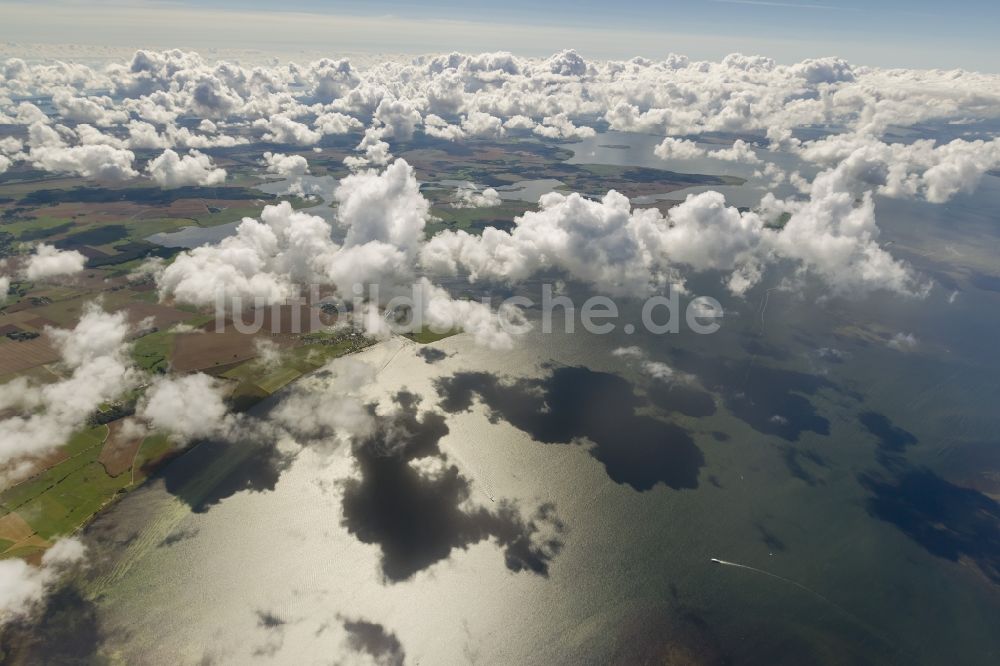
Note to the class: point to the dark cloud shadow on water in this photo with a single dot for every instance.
(681, 397)
(65, 631)
(756, 347)
(418, 516)
(431, 354)
(375, 641)
(892, 440)
(770, 539)
(675, 634)
(212, 471)
(570, 403)
(177, 536)
(793, 459)
(949, 521)
(770, 400)
(985, 282)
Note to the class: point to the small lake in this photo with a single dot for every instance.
(529, 190)
(195, 236)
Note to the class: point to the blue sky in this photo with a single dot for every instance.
(917, 33)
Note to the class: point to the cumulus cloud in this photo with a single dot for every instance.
(626, 251)
(143, 136)
(398, 118)
(382, 216)
(482, 125)
(684, 149)
(328, 405)
(471, 197)
(96, 110)
(918, 169)
(904, 342)
(835, 237)
(49, 262)
(239, 267)
(678, 149)
(655, 369)
(188, 407)
(50, 152)
(824, 70)
(288, 166)
(460, 97)
(172, 170)
(604, 243)
(739, 152)
(95, 356)
(332, 79)
(282, 129)
(440, 128)
(484, 95)
(336, 123)
(24, 586)
(209, 96)
(375, 151)
(567, 63)
(559, 126)
(11, 145)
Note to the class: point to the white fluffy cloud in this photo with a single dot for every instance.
(328, 404)
(332, 79)
(678, 149)
(95, 356)
(239, 267)
(95, 109)
(172, 170)
(289, 166)
(375, 151)
(471, 197)
(482, 125)
(459, 97)
(739, 152)
(10, 145)
(936, 172)
(399, 119)
(559, 126)
(49, 262)
(336, 123)
(626, 251)
(604, 243)
(904, 342)
(90, 161)
(188, 407)
(684, 149)
(282, 129)
(382, 215)
(655, 369)
(835, 237)
(23, 586)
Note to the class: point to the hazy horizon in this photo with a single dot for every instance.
(893, 35)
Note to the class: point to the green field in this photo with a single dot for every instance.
(60, 499)
(426, 336)
(152, 352)
(64, 497)
(257, 380)
(152, 451)
(474, 220)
